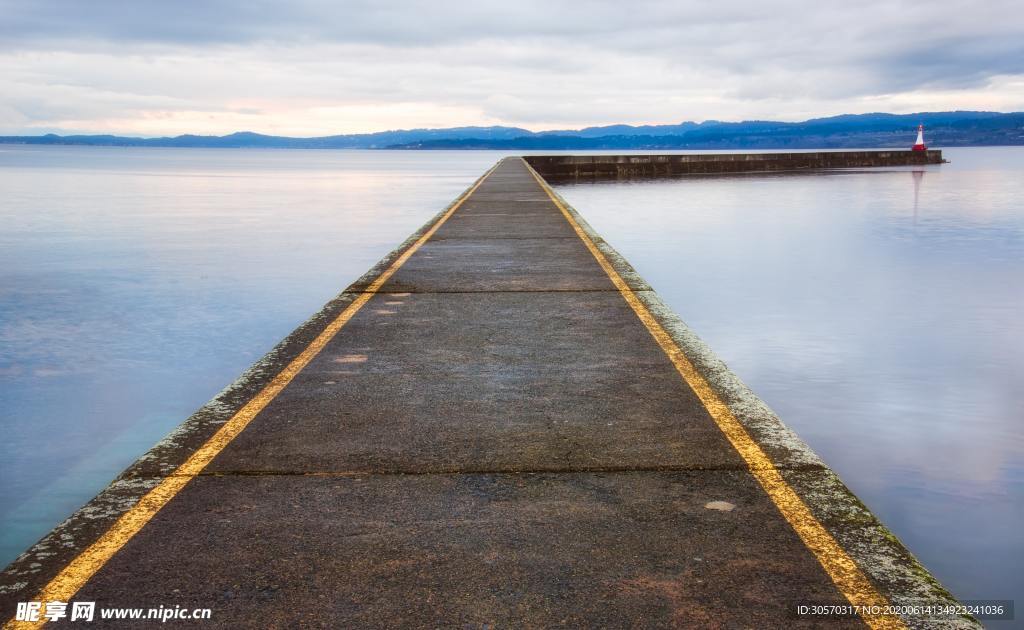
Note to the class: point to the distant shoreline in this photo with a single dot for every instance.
(525, 151)
(861, 131)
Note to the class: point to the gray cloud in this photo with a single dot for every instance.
(151, 67)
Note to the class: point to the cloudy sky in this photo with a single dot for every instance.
(319, 67)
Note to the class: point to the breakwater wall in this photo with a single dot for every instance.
(629, 166)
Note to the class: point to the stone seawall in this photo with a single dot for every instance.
(627, 166)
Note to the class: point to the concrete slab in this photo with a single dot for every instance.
(492, 264)
(506, 223)
(534, 550)
(488, 382)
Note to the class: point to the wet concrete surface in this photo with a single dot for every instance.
(637, 549)
(497, 382)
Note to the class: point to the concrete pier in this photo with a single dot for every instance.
(499, 425)
(556, 167)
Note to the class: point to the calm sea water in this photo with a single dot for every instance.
(881, 314)
(878, 312)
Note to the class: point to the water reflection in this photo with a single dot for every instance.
(918, 175)
(880, 316)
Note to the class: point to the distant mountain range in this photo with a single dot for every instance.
(942, 129)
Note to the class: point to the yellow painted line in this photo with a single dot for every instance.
(844, 572)
(74, 576)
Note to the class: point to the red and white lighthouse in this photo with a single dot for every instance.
(919, 145)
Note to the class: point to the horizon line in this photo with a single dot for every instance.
(67, 134)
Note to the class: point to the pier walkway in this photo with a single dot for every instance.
(498, 426)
